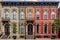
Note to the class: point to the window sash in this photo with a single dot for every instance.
(37, 28)
(22, 29)
(45, 15)
(45, 29)
(53, 30)
(53, 15)
(37, 14)
(6, 14)
(14, 15)
(22, 15)
(29, 14)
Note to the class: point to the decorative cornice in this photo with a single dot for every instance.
(30, 3)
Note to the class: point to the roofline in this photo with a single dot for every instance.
(25, 3)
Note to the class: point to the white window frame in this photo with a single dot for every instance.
(23, 15)
(51, 29)
(21, 29)
(44, 28)
(7, 15)
(3, 9)
(44, 14)
(39, 28)
(16, 29)
(29, 14)
(16, 8)
(54, 14)
(14, 15)
(37, 14)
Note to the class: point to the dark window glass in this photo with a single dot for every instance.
(38, 27)
(45, 28)
(53, 28)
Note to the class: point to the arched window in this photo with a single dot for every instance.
(45, 14)
(53, 14)
(45, 28)
(38, 28)
(22, 14)
(37, 14)
(29, 13)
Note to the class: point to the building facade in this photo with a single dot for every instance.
(28, 19)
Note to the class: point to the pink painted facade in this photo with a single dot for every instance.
(42, 21)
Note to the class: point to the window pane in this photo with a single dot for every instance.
(22, 15)
(14, 13)
(22, 29)
(37, 14)
(19, 28)
(14, 26)
(3, 14)
(45, 28)
(38, 28)
(30, 14)
(6, 13)
(53, 28)
(11, 15)
(45, 14)
(53, 14)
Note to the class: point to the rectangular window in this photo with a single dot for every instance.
(30, 14)
(45, 14)
(53, 14)
(45, 28)
(14, 26)
(37, 14)
(6, 13)
(14, 14)
(22, 29)
(3, 14)
(22, 14)
(53, 28)
(19, 27)
(38, 28)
